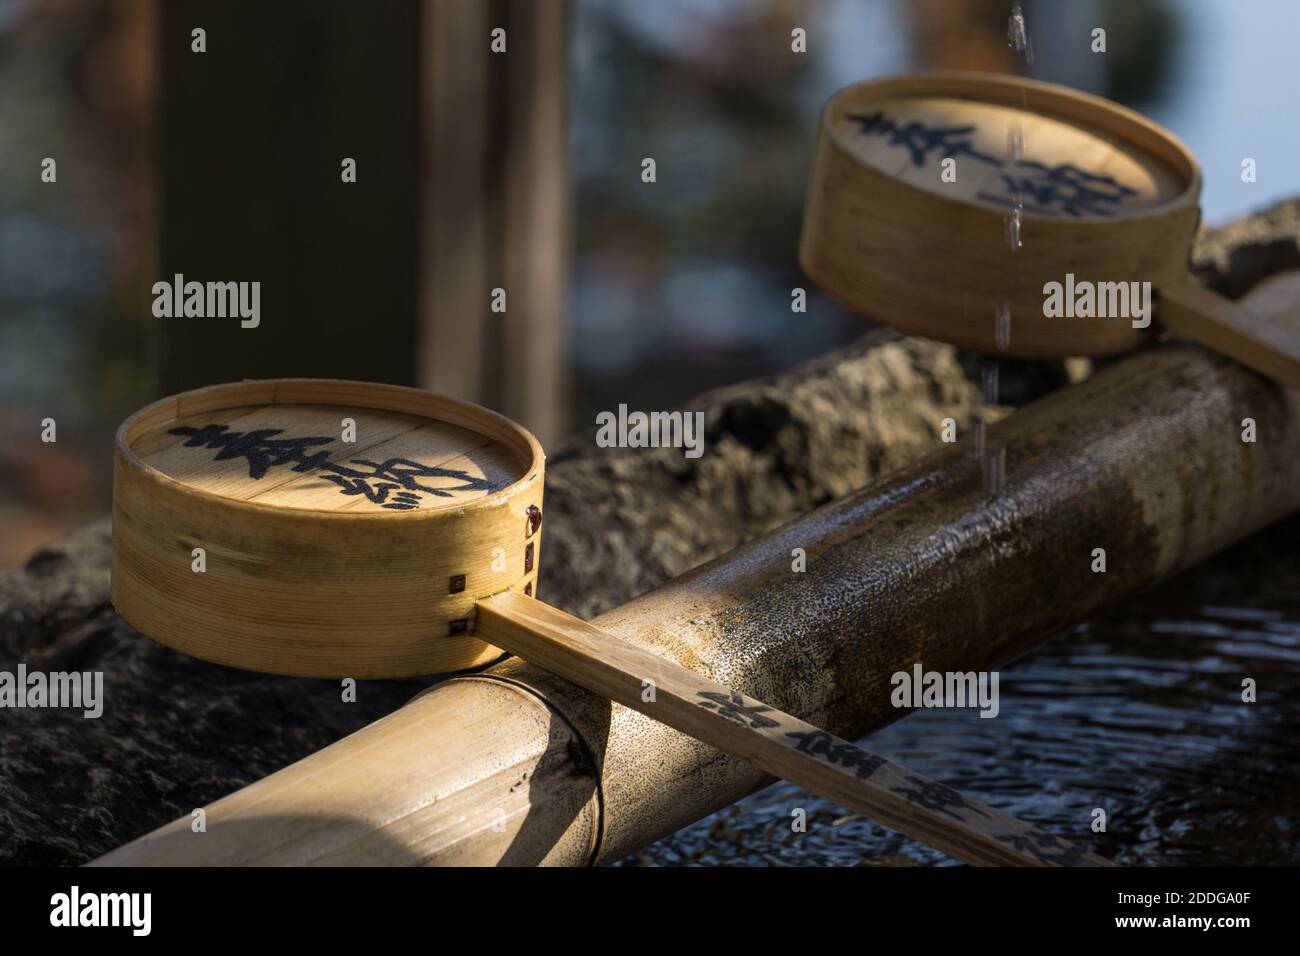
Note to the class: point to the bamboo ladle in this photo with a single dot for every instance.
(949, 204)
(322, 528)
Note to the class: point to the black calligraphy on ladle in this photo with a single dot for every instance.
(393, 484)
(935, 796)
(733, 707)
(1067, 188)
(1064, 189)
(819, 743)
(921, 140)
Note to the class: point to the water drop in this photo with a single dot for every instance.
(1017, 38)
(1016, 142)
(1013, 226)
(989, 373)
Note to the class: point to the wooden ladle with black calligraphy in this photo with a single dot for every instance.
(1016, 217)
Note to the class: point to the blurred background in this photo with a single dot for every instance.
(477, 171)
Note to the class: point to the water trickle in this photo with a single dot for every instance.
(1017, 37)
(989, 377)
(993, 461)
(1013, 225)
(1002, 327)
(1015, 153)
(1016, 141)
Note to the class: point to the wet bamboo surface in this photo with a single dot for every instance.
(517, 766)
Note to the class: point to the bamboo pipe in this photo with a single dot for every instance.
(1145, 460)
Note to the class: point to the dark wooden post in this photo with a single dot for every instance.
(495, 161)
(253, 133)
(462, 188)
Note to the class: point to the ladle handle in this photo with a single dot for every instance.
(1261, 331)
(773, 741)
